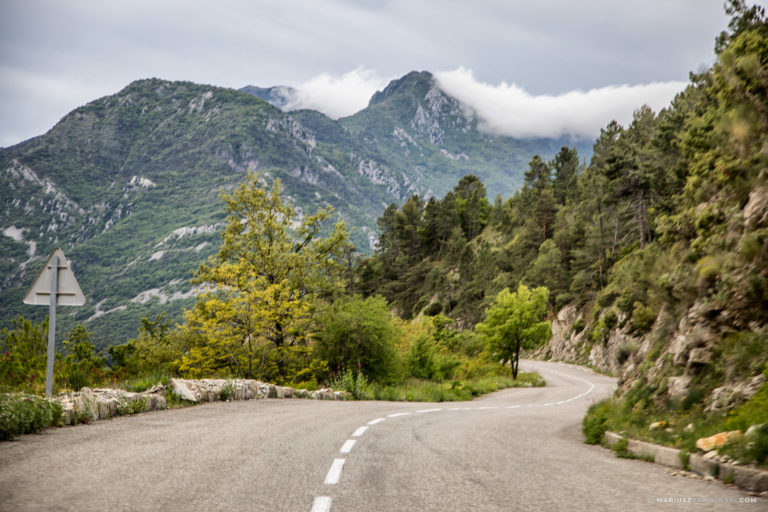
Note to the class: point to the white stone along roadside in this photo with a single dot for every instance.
(89, 405)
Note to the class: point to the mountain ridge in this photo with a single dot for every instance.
(128, 185)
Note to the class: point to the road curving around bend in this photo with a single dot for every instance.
(516, 449)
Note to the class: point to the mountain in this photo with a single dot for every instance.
(278, 96)
(128, 185)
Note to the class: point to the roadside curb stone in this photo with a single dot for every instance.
(747, 477)
(89, 405)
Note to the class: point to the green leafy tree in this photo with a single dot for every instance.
(83, 365)
(358, 334)
(515, 321)
(157, 348)
(566, 167)
(263, 286)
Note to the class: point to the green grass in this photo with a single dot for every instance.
(416, 390)
(633, 414)
(145, 381)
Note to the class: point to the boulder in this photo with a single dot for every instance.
(707, 444)
(756, 210)
(181, 388)
(699, 356)
(677, 387)
(85, 405)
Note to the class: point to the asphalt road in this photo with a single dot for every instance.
(518, 449)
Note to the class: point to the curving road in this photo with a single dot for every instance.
(518, 449)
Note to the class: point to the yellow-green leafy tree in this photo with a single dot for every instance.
(262, 288)
(515, 321)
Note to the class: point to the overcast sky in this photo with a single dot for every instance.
(527, 68)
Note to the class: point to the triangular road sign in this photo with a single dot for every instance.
(68, 291)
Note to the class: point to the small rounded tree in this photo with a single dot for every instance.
(515, 321)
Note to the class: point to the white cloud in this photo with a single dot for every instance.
(510, 110)
(337, 95)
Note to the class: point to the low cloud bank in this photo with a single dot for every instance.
(505, 109)
(336, 95)
(508, 109)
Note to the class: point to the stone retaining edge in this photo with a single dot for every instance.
(89, 405)
(746, 477)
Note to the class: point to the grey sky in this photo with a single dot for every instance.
(57, 55)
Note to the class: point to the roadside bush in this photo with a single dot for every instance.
(359, 333)
(26, 414)
(643, 318)
(421, 358)
(354, 383)
(23, 352)
(595, 423)
(83, 365)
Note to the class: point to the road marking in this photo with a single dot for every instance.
(321, 504)
(347, 446)
(334, 474)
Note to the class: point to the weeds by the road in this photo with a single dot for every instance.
(25, 414)
(419, 390)
(680, 425)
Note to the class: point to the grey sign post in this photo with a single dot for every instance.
(55, 285)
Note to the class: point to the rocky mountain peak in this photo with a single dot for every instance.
(415, 84)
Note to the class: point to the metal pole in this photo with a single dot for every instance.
(52, 325)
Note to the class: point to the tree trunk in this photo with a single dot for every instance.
(640, 219)
(602, 235)
(516, 361)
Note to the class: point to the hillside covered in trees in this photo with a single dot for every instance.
(655, 251)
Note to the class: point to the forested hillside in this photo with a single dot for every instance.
(129, 184)
(655, 253)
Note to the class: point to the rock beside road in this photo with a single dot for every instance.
(89, 405)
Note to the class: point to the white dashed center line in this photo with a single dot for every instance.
(334, 474)
(347, 446)
(321, 504)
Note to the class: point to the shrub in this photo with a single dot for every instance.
(359, 333)
(354, 383)
(23, 352)
(421, 358)
(624, 351)
(708, 272)
(131, 407)
(227, 390)
(433, 309)
(643, 318)
(595, 423)
(578, 325)
(26, 414)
